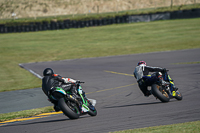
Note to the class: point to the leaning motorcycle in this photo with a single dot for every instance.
(70, 108)
(163, 91)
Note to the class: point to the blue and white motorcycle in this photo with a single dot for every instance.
(70, 108)
(163, 91)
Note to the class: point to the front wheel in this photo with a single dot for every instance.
(92, 111)
(70, 111)
(178, 95)
(160, 93)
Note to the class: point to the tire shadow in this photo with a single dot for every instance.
(140, 104)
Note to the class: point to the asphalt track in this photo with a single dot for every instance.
(120, 104)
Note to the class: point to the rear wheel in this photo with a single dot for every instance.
(70, 111)
(160, 93)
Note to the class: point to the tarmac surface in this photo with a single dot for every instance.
(120, 103)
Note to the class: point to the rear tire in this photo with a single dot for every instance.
(67, 111)
(159, 93)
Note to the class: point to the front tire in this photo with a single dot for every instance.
(178, 96)
(93, 111)
(160, 93)
(67, 111)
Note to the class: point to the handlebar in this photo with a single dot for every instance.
(165, 70)
(77, 82)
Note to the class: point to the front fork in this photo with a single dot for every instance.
(170, 91)
(82, 95)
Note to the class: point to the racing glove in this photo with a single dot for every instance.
(67, 80)
(164, 70)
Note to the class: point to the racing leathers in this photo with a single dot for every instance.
(144, 80)
(50, 82)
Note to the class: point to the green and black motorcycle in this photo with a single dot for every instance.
(69, 107)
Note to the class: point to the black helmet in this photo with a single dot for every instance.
(48, 72)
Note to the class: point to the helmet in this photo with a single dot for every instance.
(142, 62)
(48, 72)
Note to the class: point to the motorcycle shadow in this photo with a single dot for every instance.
(139, 104)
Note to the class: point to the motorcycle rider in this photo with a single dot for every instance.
(52, 80)
(144, 80)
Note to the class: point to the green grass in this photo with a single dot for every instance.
(24, 113)
(188, 127)
(120, 39)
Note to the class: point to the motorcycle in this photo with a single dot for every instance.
(69, 107)
(163, 91)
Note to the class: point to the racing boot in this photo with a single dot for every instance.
(56, 108)
(148, 93)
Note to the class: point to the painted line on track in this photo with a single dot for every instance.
(29, 118)
(111, 88)
(119, 73)
(115, 87)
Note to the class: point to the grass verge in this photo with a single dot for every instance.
(188, 127)
(24, 113)
(110, 40)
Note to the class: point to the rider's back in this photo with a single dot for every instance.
(47, 83)
(142, 70)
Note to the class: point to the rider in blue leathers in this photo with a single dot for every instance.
(144, 80)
